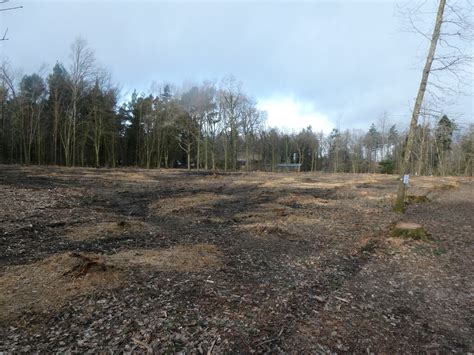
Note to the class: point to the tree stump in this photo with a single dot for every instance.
(410, 230)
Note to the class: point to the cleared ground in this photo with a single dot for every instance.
(167, 261)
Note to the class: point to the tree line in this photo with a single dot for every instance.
(73, 116)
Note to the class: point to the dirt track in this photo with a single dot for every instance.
(232, 262)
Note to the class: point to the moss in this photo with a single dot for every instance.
(399, 207)
(410, 200)
(421, 249)
(440, 251)
(416, 234)
(415, 199)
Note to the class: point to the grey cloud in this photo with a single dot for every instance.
(349, 58)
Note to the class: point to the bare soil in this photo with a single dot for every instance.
(170, 261)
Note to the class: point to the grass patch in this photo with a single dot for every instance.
(417, 199)
(440, 251)
(445, 187)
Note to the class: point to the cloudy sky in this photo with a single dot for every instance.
(326, 64)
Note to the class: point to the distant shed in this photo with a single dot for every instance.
(289, 167)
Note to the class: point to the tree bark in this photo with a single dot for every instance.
(400, 202)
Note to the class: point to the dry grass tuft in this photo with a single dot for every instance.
(417, 199)
(103, 230)
(262, 229)
(185, 203)
(301, 199)
(445, 187)
(50, 283)
(184, 258)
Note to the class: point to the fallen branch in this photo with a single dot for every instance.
(143, 345)
(209, 352)
(86, 264)
(341, 299)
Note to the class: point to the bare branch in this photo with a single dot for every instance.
(12, 8)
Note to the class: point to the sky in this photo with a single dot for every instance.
(328, 64)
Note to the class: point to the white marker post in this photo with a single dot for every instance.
(406, 177)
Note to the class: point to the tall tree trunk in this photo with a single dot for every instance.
(114, 158)
(74, 117)
(206, 159)
(225, 152)
(189, 156)
(400, 202)
(38, 143)
(55, 135)
(247, 154)
(198, 143)
(273, 158)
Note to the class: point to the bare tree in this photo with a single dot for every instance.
(230, 104)
(31, 101)
(199, 103)
(102, 99)
(187, 126)
(251, 119)
(82, 70)
(447, 67)
(4, 37)
(400, 202)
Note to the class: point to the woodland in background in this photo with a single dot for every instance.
(73, 117)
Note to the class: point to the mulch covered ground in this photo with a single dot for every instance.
(170, 261)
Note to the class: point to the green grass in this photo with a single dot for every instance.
(416, 199)
(415, 234)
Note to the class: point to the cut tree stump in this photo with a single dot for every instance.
(410, 230)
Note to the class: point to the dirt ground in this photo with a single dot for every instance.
(176, 261)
